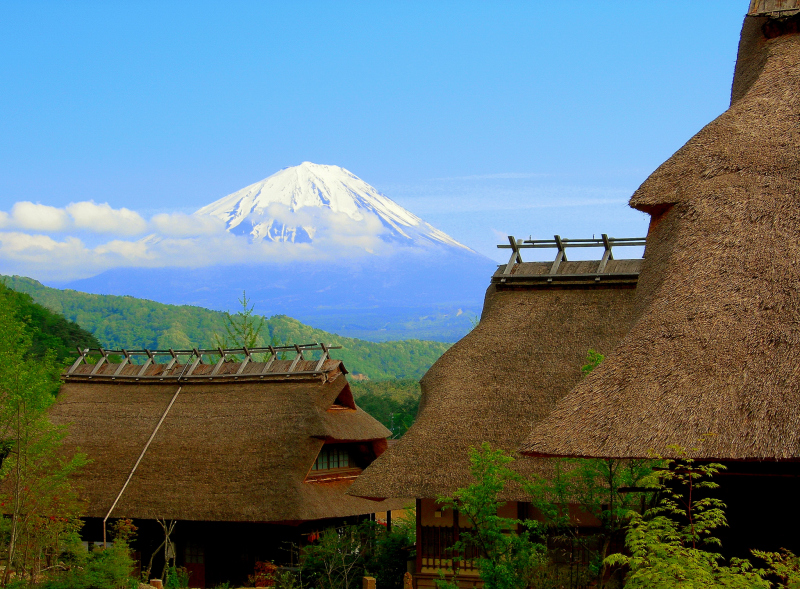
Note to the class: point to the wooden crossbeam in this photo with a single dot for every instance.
(515, 258)
(171, 362)
(219, 363)
(123, 363)
(100, 362)
(245, 361)
(269, 364)
(607, 255)
(146, 365)
(322, 358)
(561, 256)
(296, 358)
(81, 358)
(198, 360)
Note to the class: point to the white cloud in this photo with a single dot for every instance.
(183, 225)
(176, 239)
(101, 218)
(37, 217)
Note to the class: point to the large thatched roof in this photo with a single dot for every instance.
(506, 374)
(232, 448)
(716, 348)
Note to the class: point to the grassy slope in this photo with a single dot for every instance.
(125, 322)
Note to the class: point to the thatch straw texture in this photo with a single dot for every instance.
(500, 379)
(715, 350)
(227, 450)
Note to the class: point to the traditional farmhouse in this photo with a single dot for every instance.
(249, 456)
(714, 352)
(539, 321)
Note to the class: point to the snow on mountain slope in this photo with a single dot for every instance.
(287, 206)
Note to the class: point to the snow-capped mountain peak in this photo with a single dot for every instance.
(286, 207)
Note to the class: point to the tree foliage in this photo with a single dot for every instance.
(342, 556)
(48, 331)
(510, 552)
(392, 402)
(36, 497)
(671, 545)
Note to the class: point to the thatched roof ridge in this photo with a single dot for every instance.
(504, 376)
(227, 451)
(715, 348)
(252, 371)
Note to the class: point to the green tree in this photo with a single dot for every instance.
(668, 543)
(242, 329)
(342, 556)
(510, 552)
(102, 568)
(37, 499)
(602, 488)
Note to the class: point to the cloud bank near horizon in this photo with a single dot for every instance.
(84, 239)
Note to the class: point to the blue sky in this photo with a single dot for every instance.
(485, 119)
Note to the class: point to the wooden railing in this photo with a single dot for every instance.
(568, 566)
(436, 546)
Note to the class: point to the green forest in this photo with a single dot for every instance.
(125, 322)
(392, 402)
(48, 331)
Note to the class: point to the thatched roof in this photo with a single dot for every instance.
(504, 376)
(715, 350)
(230, 449)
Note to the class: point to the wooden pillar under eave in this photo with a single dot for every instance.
(456, 536)
(419, 535)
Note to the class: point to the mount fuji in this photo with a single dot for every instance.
(366, 266)
(313, 187)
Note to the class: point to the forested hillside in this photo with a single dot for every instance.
(126, 322)
(49, 331)
(392, 402)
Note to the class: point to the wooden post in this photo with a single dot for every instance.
(419, 536)
(368, 583)
(456, 537)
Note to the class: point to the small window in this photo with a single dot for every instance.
(331, 457)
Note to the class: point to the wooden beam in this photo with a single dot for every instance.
(171, 362)
(100, 362)
(219, 364)
(269, 364)
(515, 255)
(322, 358)
(198, 360)
(123, 363)
(296, 358)
(147, 364)
(245, 361)
(81, 358)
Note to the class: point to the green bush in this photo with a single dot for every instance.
(102, 568)
(342, 556)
